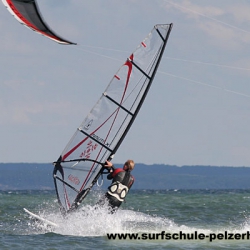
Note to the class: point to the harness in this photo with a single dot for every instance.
(118, 189)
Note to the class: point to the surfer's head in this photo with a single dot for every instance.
(129, 165)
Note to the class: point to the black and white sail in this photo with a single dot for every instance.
(27, 13)
(103, 130)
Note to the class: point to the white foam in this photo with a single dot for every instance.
(93, 221)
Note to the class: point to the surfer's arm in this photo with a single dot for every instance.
(110, 168)
(108, 164)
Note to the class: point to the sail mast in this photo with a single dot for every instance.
(147, 89)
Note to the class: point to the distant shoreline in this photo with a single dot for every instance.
(38, 176)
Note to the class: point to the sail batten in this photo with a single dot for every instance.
(58, 178)
(96, 140)
(163, 39)
(119, 105)
(143, 72)
(101, 133)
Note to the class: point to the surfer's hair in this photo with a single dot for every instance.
(130, 164)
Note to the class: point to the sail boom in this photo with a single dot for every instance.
(79, 159)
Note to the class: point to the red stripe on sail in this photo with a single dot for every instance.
(29, 24)
(129, 65)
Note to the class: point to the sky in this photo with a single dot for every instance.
(197, 111)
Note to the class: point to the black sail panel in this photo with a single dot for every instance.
(27, 13)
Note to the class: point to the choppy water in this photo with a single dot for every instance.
(150, 212)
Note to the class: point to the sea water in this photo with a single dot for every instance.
(161, 219)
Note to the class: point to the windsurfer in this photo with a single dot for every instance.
(122, 180)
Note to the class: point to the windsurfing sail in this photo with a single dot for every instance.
(28, 14)
(103, 130)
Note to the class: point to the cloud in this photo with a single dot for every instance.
(34, 112)
(48, 89)
(210, 20)
(240, 13)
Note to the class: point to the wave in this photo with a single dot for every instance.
(92, 221)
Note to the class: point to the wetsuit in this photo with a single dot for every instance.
(121, 183)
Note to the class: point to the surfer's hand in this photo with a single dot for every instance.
(108, 164)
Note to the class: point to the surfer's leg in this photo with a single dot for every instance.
(110, 201)
(113, 204)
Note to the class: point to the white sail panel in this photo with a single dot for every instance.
(102, 131)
